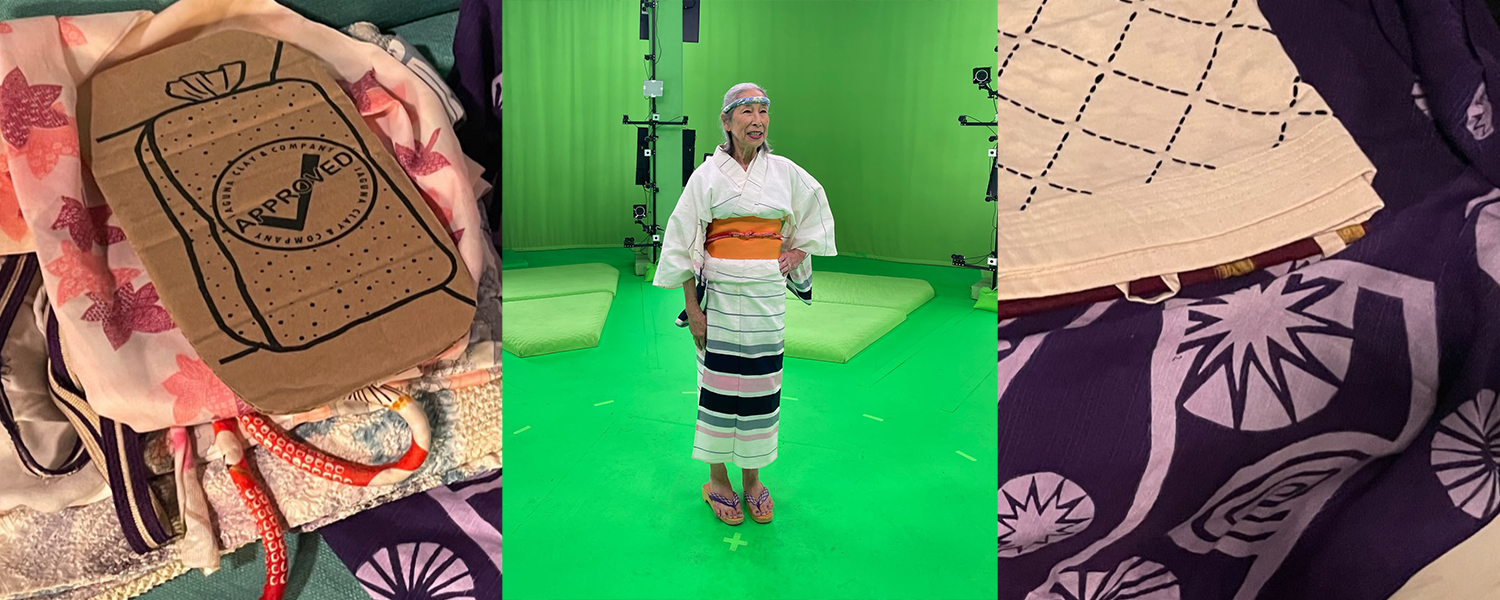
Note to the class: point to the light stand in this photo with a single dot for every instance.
(989, 261)
(646, 172)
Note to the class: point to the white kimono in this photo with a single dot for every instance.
(739, 374)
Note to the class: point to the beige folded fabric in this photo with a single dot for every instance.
(1143, 140)
(96, 563)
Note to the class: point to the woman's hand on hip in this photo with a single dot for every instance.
(790, 259)
(698, 325)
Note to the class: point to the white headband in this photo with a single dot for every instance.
(747, 100)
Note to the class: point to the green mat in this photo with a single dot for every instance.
(566, 280)
(512, 260)
(835, 332)
(849, 311)
(898, 293)
(558, 324)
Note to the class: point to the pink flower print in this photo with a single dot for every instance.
(201, 395)
(87, 225)
(80, 272)
(421, 160)
(11, 220)
(24, 106)
(47, 146)
(71, 34)
(127, 311)
(368, 96)
(444, 214)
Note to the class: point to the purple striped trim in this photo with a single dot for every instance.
(121, 454)
(721, 500)
(18, 272)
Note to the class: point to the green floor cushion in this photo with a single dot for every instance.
(897, 293)
(547, 325)
(512, 260)
(829, 331)
(566, 280)
(988, 300)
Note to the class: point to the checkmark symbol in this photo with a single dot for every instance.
(309, 174)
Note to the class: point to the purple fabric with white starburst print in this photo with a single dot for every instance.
(1318, 431)
(443, 544)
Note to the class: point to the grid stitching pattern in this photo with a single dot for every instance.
(1072, 124)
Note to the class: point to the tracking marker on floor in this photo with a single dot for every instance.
(961, 453)
(734, 544)
(604, 403)
(520, 430)
(875, 417)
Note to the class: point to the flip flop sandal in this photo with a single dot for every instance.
(731, 502)
(765, 496)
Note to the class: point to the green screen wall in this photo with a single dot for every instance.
(865, 96)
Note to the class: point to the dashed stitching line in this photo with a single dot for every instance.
(1202, 78)
(1066, 51)
(1055, 153)
(1264, 113)
(1086, 97)
(1026, 176)
(1142, 81)
(1211, 57)
(1120, 142)
(1252, 28)
(1121, 41)
(1031, 110)
(1036, 16)
(1068, 189)
(1053, 160)
(1183, 19)
(1193, 164)
(1001, 70)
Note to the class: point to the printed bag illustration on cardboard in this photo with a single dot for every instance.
(282, 236)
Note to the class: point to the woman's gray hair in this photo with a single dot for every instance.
(728, 145)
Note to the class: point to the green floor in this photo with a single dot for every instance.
(874, 499)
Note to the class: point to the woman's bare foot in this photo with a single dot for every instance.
(718, 484)
(756, 493)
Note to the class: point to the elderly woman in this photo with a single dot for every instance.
(742, 231)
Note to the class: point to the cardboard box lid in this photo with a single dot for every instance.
(288, 245)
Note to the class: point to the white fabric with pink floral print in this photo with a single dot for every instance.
(134, 364)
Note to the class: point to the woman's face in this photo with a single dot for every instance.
(748, 123)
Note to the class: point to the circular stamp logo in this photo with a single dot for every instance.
(294, 193)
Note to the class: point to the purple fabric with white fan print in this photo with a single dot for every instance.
(1317, 431)
(1252, 438)
(443, 544)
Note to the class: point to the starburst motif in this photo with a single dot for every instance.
(1262, 358)
(1041, 509)
(1133, 579)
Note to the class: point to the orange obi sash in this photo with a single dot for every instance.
(744, 238)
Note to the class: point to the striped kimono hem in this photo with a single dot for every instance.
(739, 373)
